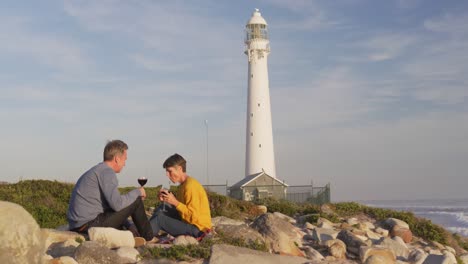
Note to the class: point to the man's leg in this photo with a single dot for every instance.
(171, 223)
(117, 219)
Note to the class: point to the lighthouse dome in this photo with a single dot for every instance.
(257, 18)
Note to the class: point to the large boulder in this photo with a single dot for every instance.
(404, 233)
(312, 254)
(91, 252)
(128, 254)
(336, 248)
(249, 235)
(56, 236)
(417, 256)
(281, 236)
(227, 254)
(111, 237)
(285, 217)
(353, 243)
(222, 220)
(396, 244)
(322, 235)
(66, 248)
(440, 259)
(385, 255)
(21, 238)
(389, 223)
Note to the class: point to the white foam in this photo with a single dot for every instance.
(459, 230)
(460, 216)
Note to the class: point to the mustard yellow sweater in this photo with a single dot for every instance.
(193, 204)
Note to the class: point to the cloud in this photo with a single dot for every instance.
(448, 23)
(387, 46)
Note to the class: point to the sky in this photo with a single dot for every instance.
(369, 96)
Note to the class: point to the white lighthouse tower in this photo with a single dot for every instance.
(260, 156)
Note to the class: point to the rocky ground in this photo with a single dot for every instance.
(358, 239)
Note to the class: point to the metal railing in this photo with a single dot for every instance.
(294, 193)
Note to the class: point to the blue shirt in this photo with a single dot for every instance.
(96, 192)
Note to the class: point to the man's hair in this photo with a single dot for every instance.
(113, 148)
(175, 160)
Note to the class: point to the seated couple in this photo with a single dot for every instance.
(97, 202)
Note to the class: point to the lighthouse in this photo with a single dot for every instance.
(260, 155)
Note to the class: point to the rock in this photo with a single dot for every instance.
(402, 232)
(227, 254)
(385, 254)
(64, 227)
(262, 209)
(21, 238)
(91, 252)
(185, 240)
(437, 245)
(381, 231)
(64, 260)
(66, 248)
(464, 258)
(391, 222)
(353, 243)
(321, 235)
(222, 220)
(352, 221)
(417, 256)
(243, 232)
(158, 261)
(128, 254)
(440, 259)
(285, 217)
(111, 237)
(369, 225)
(377, 259)
(324, 223)
(312, 254)
(281, 236)
(451, 250)
(396, 244)
(336, 248)
(373, 235)
(309, 226)
(345, 226)
(56, 236)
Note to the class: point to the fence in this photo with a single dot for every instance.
(295, 193)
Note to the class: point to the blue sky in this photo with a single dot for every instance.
(370, 96)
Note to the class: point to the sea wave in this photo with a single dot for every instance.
(461, 217)
(459, 230)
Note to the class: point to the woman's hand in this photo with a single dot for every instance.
(169, 198)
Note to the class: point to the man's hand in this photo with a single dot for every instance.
(143, 193)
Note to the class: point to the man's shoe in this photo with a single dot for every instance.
(139, 241)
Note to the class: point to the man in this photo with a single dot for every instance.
(97, 202)
(189, 212)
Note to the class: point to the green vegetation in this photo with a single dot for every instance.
(47, 201)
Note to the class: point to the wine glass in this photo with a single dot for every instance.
(166, 190)
(142, 181)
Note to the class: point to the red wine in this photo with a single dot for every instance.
(142, 181)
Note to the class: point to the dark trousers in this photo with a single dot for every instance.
(117, 219)
(171, 223)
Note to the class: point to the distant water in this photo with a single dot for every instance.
(452, 214)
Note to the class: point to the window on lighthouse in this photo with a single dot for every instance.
(256, 31)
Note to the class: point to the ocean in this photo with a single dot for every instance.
(452, 214)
